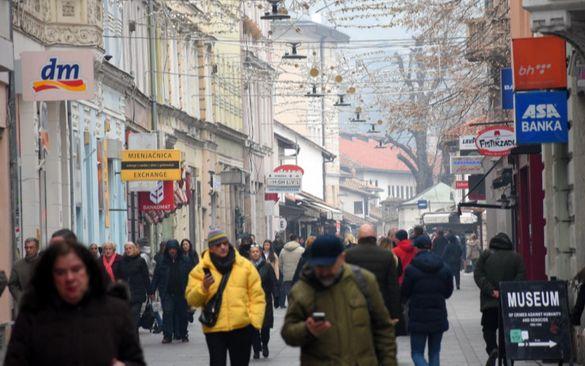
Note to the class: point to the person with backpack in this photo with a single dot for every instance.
(228, 288)
(336, 313)
(427, 284)
(497, 264)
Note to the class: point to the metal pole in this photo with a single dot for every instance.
(323, 135)
(152, 64)
(71, 168)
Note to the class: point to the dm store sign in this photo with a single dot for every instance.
(57, 75)
(541, 117)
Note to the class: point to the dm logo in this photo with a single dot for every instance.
(59, 76)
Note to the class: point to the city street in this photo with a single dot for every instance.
(462, 344)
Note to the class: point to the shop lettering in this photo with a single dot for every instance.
(487, 144)
(541, 126)
(150, 175)
(535, 298)
(541, 111)
(150, 155)
(64, 72)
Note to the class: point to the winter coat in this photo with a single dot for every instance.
(3, 282)
(351, 340)
(427, 283)
(192, 258)
(135, 273)
(289, 259)
(498, 263)
(269, 283)
(299, 270)
(406, 252)
(579, 306)
(243, 301)
(21, 275)
(116, 267)
(382, 264)
(162, 274)
(275, 264)
(452, 256)
(473, 250)
(439, 245)
(92, 333)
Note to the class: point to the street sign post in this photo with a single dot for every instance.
(151, 165)
(536, 320)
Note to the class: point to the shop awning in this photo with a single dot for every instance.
(321, 207)
(356, 220)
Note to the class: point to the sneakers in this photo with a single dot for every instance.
(492, 358)
(256, 355)
(265, 352)
(185, 340)
(166, 340)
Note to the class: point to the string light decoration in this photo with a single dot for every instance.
(313, 93)
(293, 55)
(340, 102)
(276, 13)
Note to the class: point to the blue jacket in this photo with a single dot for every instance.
(427, 283)
(162, 272)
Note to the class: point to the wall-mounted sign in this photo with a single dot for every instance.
(466, 165)
(161, 198)
(541, 117)
(507, 88)
(467, 143)
(422, 204)
(141, 141)
(285, 179)
(57, 75)
(536, 320)
(151, 165)
(535, 69)
(461, 184)
(496, 141)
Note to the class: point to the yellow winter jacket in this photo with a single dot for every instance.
(243, 301)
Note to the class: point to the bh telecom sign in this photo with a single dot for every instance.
(144, 165)
(57, 75)
(535, 69)
(541, 117)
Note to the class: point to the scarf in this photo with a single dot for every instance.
(223, 265)
(108, 266)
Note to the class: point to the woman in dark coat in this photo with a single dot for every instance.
(189, 252)
(134, 271)
(427, 283)
(67, 318)
(269, 282)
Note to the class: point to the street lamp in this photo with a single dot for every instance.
(293, 55)
(357, 118)
(275, 14)
(341, 102)
(313, 93)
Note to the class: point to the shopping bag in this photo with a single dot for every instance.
(147, 317)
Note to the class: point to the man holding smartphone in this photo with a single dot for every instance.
(336, 314)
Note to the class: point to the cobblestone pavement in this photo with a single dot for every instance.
(462, 344)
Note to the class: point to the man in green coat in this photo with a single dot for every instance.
(336, 314)
(497, 264)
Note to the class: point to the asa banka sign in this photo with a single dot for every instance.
(541, 117)
(496, 141)
(536, 320)
(57, 75)
(285, 179)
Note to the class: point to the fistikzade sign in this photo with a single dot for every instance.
(496, 141)
(57, 75)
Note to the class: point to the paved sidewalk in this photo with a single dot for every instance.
(462, 344)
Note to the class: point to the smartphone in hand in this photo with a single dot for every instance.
(206, 271)
(318, 316)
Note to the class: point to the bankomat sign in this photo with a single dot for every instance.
(57, 75)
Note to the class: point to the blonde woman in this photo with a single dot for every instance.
(110, 262)
(134, 271)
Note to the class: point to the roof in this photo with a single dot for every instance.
(361, 153)
(439, 193)
(326, 153)
(287, 30)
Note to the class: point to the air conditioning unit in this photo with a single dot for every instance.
(549, 16)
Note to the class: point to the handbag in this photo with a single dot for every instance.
(147, 317)
(211, 309)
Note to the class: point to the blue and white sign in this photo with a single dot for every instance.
(541, 117)
(507, 88)
(422, 204)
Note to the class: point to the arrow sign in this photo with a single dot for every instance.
(549, 344)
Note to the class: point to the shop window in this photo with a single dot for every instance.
(358, 207)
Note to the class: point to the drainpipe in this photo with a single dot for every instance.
(15, 188)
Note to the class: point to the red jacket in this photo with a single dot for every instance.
(406, 252)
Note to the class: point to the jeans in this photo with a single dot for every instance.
(261, 339)
(237, 342)
(284, 290)
(158, 320)
(174, 316)
(491, 322)
(417, 348)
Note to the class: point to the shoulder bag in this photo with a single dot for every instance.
(211, 309)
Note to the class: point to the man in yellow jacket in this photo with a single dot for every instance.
(242, 302)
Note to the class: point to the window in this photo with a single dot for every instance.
(393, 191)
(389, 191)
(358, 207)
(402, 192)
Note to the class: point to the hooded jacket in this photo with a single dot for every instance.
(289, 259)
(406, 252)
(243, 302)
(162, 272)
(354, 338)
(427, 283)
(498, 263)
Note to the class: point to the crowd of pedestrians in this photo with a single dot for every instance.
(346, 300)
